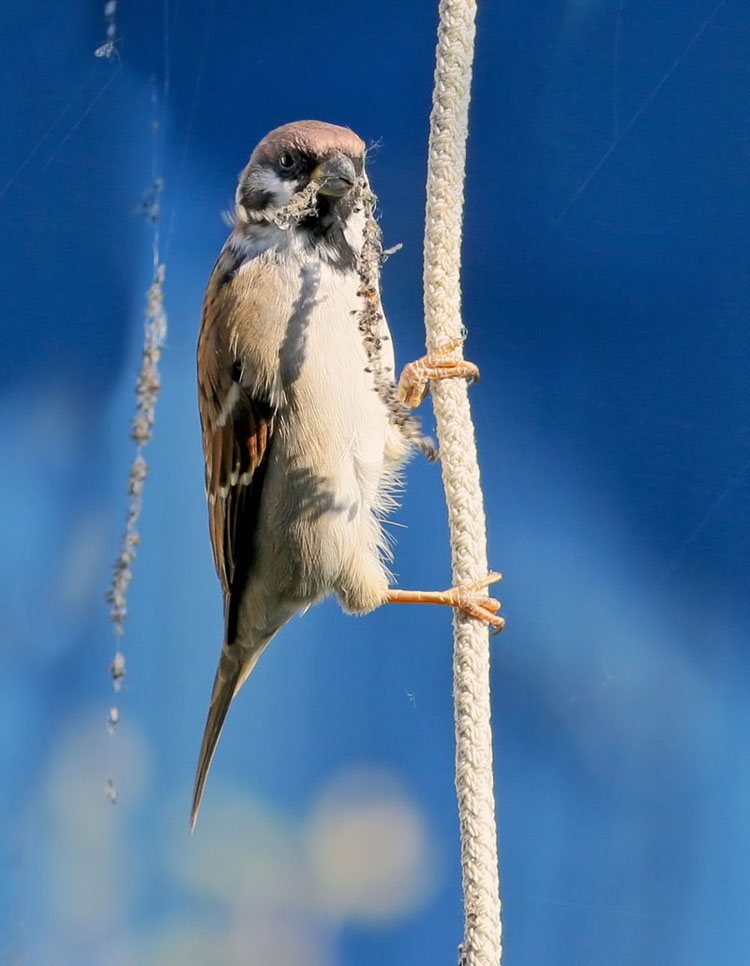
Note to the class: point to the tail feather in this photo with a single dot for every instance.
(235, 664)
(228, 681)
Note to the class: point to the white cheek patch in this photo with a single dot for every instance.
(264, 180)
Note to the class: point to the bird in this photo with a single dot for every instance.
(301, 447)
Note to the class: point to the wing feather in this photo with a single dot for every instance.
(238, 429)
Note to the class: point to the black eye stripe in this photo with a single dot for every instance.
(292, 160)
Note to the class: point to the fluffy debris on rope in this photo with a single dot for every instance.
(372, 328)
(108, 49)
(147, 393)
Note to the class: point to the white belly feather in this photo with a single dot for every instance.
(327, 478)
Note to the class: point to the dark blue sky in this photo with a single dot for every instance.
(606, 297)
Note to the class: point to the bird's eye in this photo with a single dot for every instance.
(286, 161)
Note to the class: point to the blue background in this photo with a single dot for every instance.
(607, 299)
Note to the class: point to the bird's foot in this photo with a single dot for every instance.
(444, 362)
(466, 597)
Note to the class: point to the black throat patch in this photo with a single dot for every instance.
(325, 231)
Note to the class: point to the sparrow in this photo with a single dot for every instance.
(301, 447)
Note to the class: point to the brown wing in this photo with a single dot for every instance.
(234, 453)
(237, 430)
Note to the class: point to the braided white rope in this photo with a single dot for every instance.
(482, 945)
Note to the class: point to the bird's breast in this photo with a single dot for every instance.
(331, 402)
(324, 481)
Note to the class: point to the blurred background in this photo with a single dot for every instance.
(607, 299)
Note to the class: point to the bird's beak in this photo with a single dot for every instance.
(336, 176)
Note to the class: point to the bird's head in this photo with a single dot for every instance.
(290, 157)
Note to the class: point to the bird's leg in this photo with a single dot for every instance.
(444, 362)
(467, 597)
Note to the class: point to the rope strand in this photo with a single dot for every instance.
(482, 944)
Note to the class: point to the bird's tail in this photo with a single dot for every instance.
(224, 689)
(235, 665)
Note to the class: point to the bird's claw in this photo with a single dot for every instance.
(444, 362)
(467, 597)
